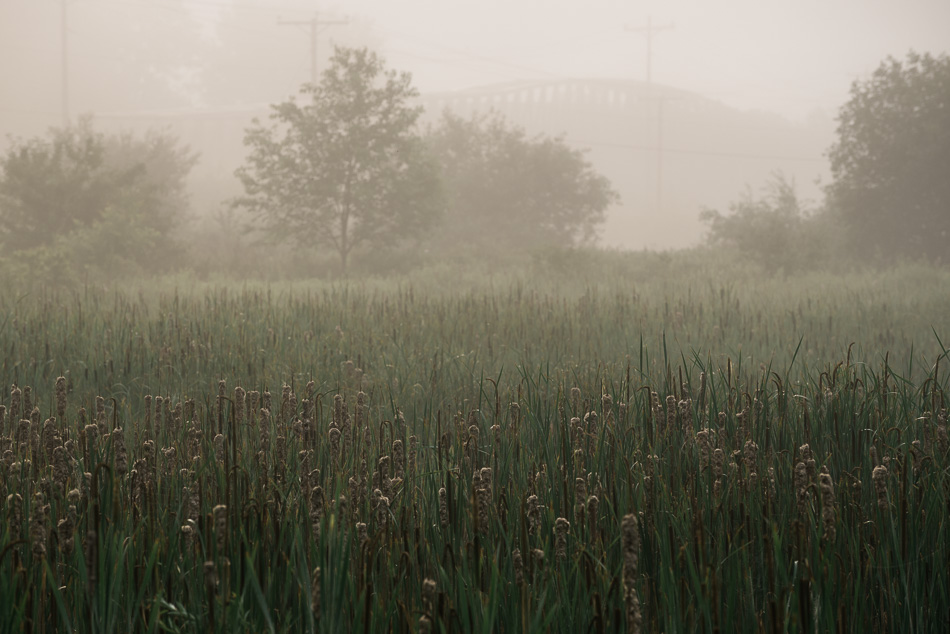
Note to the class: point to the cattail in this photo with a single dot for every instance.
(92, 438)
(561, 527)
(749, 454)
(15, 395)
(518, 564)
(443, 509)
(593, 506)
(705, 444)
(827, 505)
(211, 578)
(425, 624)
(483, 503)
(685, 408)
(220, 452)
(670, 413)
(61, 397)
(362, 533)
(537, 556)
(576, 399)
(316, 512)
(253, 403)
(718, 460)
(39, 522)
(805, 455)
(15, 515)
(121, 453)
(334, 436)
(580, 499)
(381, 505)
(239, 409)
(801, 487)
(879, 477)
(399, 460)
(428, 595)
(61, 468)
(411, 462)
(220, 514)
(285, 405)
(630, 540)
(27, 401)
(590, 423)
(533, 513)
(67, 526)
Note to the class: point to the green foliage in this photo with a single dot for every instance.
(82, 205)
(774, 230)
(508, 192)
(346, 170)
(891, 160)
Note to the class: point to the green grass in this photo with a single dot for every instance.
(852, 365)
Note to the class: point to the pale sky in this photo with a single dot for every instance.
(788, 56)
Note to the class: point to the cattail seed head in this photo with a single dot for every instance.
(518, 565)
(879, 477)
(443, 509)
(561, 526)
(826, 486)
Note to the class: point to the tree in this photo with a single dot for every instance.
(892, 157)
(775, 230)
(91, 201)
(346, 170)
(507, 191)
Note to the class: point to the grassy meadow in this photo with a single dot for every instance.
(598, 445)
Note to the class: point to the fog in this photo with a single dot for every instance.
(738, 90)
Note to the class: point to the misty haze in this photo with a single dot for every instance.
(474, 316)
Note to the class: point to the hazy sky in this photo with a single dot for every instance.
(790, 56)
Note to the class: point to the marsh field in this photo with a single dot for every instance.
(670, 448)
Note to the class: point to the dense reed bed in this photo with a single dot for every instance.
(359, 459)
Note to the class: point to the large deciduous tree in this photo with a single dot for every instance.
(508, 191)
(347, 169)
(891, 161)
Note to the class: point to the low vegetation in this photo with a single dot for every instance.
(660, 453)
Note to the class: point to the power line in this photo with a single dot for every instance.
(653, 148)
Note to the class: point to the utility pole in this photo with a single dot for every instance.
(650, 31)
(314, 23)
(64, 62)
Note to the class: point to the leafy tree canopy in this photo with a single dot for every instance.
(508, 191)
(347, 169)
(92, 201)
(892, 157)
(773, 229)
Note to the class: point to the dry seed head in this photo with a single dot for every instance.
(220, 513)
(39, 522)
(121, 453)
(211, 577)
(61, 397)
(428, 595)
(518, 565)
(879, 477)
(826, 485)
(749, 454)
(533, 511)
(443, 509)
(561, 526)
